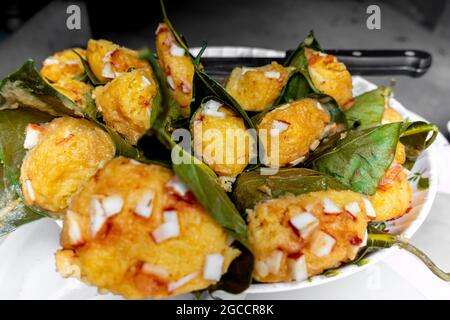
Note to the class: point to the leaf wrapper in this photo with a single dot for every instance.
(300, 83)
(360, 159)
(27, 88)
(417, 136)
(368, 108)
(12, 135)
(252, 188)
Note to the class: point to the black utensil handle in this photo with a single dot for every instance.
(413, 63)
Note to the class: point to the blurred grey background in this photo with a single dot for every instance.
(37, 29)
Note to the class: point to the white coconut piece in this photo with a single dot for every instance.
(169, 229)
(302, 220)
(97, 217)
(171, 82)
(30, 190)
(319, 106)
(50, 61)
(155, 270)
(261, 269)
(211, 108)
(330, 207)
(272, 74)
(278, 127)
(108, 71)
(274, 261)
(314, 145)
(181, 282)
(74, 230)
(322, 244)
(145, 82)
(178, 186)
(299, 269)
(32, 135)
(112, 205)
(144, 207)
(297, 161)
(353, 208)
(370, 210)
(305, 222)
(213, 267)
(176, 50)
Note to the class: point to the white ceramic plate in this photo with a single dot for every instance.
(27, 268)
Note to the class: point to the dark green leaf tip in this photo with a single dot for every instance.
(200, 53)
(309, 38)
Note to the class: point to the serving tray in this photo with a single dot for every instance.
(27, 270)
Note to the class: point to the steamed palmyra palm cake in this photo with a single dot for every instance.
(107, 60)
(296, 127)
(135, 230)
(63, 64)
(329, 75)
(257, 88)
(63, 155)
(126, 102)
(74, 90)
(296, 237)
(177, 66)
(64, 69)
(220, 136)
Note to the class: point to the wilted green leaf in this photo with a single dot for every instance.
(252, 187)
(13, 124)
(360, 158)
(368, 108)
(417, 136)
(27, 88)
